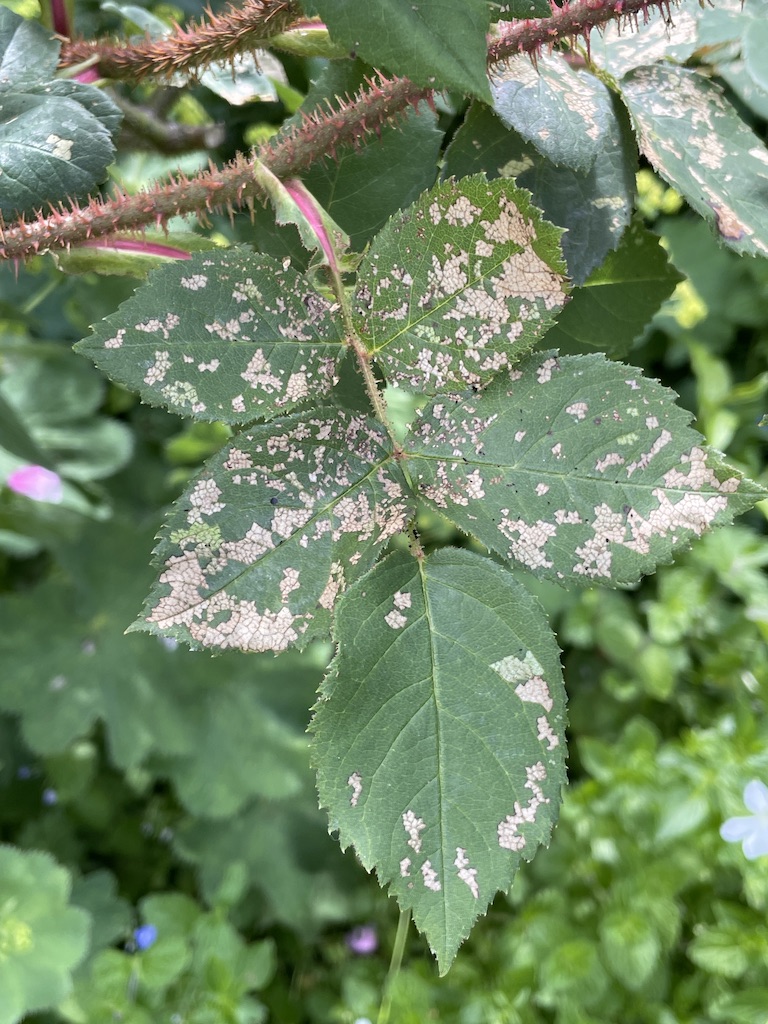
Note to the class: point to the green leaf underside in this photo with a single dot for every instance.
(438, 43)
(565, 114)
(695, 139)
(277, 524)
(577, 468)
(231, 336)
(595, 207)
(439, 736)
(618, 299)
(460, 285)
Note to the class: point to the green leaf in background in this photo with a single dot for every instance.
(630, 946)
(566, 114)
(230, 336)
(618, 299)
(367, 184)
(27, 52)
(575, 467)
(695, 139)
(213, 733)
(437, 43)
(274, 848)
(55, 136)
(258, 548)
(440, 733)
(55, 397)
(457, 318)
(43, 938)
(594, 207)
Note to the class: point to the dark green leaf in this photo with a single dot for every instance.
(575, 467)
(55, 137)
(618, 300)
(460, 285)
(230, 336)
(274, 528)
(28, 53)
(439, 735)
(566, 114)
(594, 207)
(696, 140)
(437, 43)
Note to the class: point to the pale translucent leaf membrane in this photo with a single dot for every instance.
(695, 139)
(460, 285)
(576, 468)
(439, 737)
(232, 336)
(264, 540)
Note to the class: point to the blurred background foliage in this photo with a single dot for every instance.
(175, 789)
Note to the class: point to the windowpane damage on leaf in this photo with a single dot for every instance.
(575, 467)
(232, 336)
(413, 734)
(275, 528)
(460, 285)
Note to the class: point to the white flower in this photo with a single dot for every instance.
(751, 832)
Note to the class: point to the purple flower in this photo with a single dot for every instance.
(37, 483)
(363, 940)
(751, 832)
(145, 936)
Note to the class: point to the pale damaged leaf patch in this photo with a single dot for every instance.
(576, 468)
(440, 746)
(273, 530)
(460, 285)
(232, 336)
(565, 114)
(695, 139)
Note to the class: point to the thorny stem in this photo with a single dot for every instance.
(318, 136)
(398, 949)
(238, 29)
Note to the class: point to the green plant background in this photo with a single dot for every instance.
(174, 789)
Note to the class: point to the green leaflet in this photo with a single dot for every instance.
(231, 336)
(575, 467)
(594, 206)
(695, 139)
(55, 136)
(439, 735)
(436, 43)
(460, 285)
(273, 529)
(618, 299)
(566, 114)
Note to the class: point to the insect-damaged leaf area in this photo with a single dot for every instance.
(460, 285)
(231, 336)
(575, 467)
(439, 734)
(693, 136)
(274, 528)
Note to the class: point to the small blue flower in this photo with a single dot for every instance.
(751, 832)
(50, 797)
(145, 936)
